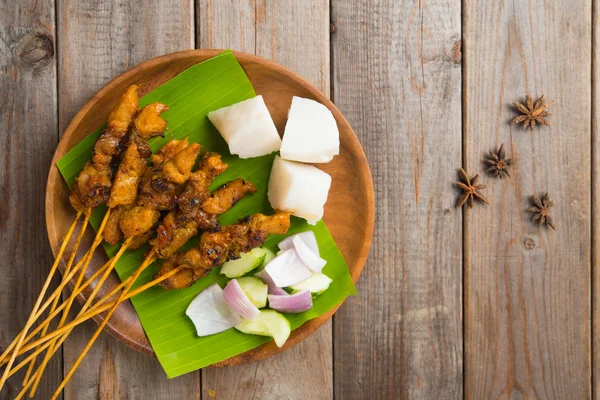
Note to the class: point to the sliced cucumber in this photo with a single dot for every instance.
(268, 257)
(317, 284)
(268, 323)
(255, 289)
(246, 263)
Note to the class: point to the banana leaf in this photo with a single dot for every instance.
(204, 87)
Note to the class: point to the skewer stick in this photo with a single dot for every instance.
(57, 311)
(66, 310)
(56, 298)
(38, 302)
(40, 371)
(97, 309)
(149, 260)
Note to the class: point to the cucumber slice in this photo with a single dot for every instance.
(268, 323)
(255, 289)
(246, 263)
(317, 284)
(268, 257)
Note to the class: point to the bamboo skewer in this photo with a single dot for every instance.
(56, 298)
(38, 302)
(88, 259)
(149, 260)
(58, 309)
(38, 375)
(96, 310)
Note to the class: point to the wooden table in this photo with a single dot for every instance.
(478, 303)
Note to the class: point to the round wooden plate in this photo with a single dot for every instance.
(349, 213)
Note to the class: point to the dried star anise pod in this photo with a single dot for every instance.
(532, 113)
(498, 163)
(470, 190)
(540, 210)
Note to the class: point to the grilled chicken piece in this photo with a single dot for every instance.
(92, 185)
(148, 124)
(181, 225)
(217, 247)
(179, 168)
(227, 195)
(157, 193)
(127, 178)
(112, 231)
(138, 220)
(168, 151)
(196, 190)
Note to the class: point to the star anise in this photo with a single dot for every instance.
(498, 163)
(532, 113)
(540, 210)
(470, 190)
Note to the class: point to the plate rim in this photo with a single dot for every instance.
(268, 349)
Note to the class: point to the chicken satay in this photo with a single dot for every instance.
(147, 125)
(158, 192)
(123, 192)
(227, 196)
(180, 226)
(92, 185)
(175, 231)
(113, 232)
(219, 246)
(183, 223)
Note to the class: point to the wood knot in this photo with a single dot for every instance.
(35, 50)
(454, 49)
(331, 28)
(529, 243)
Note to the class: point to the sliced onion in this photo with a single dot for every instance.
(308, 257)
(266, 278)
(210, 313)
(294, 303)
(307, 237)
(238, 301)
(287, 269)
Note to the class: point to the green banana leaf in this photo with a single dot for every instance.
(204, 87)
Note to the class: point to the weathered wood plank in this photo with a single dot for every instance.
(527, 289)
(595, 200)
(397, 78)
(296, 34)
(28, 133)
(98, 40)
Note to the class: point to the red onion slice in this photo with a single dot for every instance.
(308, 257)
(307, 237)
(294, 303)
(210, 313)
(287, 269)
(238, 301)
(273, 289)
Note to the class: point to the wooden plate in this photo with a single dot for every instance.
(349, 212)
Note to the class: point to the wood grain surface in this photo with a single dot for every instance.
(595, 205)
(99, 41)
(527, 288)
(278, 31)
(397, 77)
(28, 137)
(522, 297)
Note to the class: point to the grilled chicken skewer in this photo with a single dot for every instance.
(229, 190)
(124, 194)
(194, 192)
(221, 245)
(89, 191)
(214, 249)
